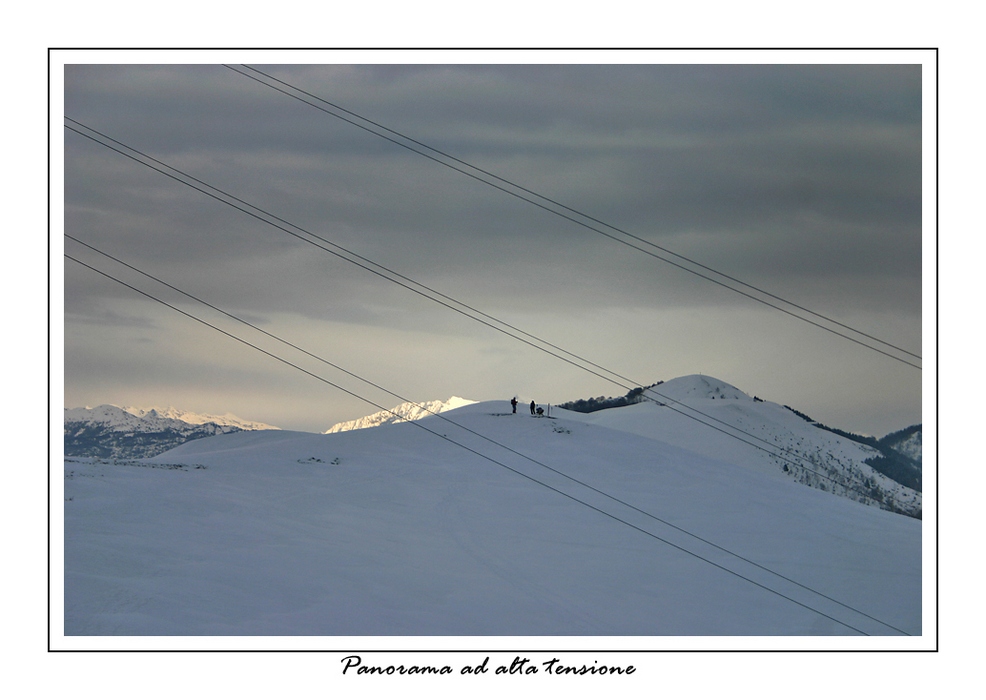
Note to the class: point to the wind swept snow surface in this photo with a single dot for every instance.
(395, 531)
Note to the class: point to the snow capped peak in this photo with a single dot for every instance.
(154, 412)
(107, 414)
(193, 418)
(698, 386)
(404, 412)
(130, 417)
(112, 431)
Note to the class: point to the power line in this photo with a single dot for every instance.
(335, 246)
(473, 432)
(581, 214)
(417, 424)
(365, 264)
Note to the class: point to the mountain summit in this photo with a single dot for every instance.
(698, 386)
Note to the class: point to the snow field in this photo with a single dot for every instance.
(393, 531)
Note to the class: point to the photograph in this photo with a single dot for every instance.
(494, 350)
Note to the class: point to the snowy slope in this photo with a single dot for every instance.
(399, 414)
(397, 531)
(718, 420)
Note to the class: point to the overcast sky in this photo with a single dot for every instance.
(803, 180)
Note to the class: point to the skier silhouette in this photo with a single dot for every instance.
(532, 408)
(513, 402)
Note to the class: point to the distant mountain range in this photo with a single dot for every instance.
(697, 413)
(127, 433)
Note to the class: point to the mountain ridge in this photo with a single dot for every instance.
(124, 417)
(738, 427)
(109, 431)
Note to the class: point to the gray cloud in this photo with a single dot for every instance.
(805, 180)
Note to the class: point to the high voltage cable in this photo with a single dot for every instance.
(339, 247)
(574, 211)
(585, 216)
(476, 452)
(473, 432)
(770, 449)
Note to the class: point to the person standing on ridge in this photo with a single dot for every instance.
(533, 406)
(513, 402)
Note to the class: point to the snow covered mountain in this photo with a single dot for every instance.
(110, 431)
(227, 419)
(404, 412)
(633, 522)
(718, 420)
